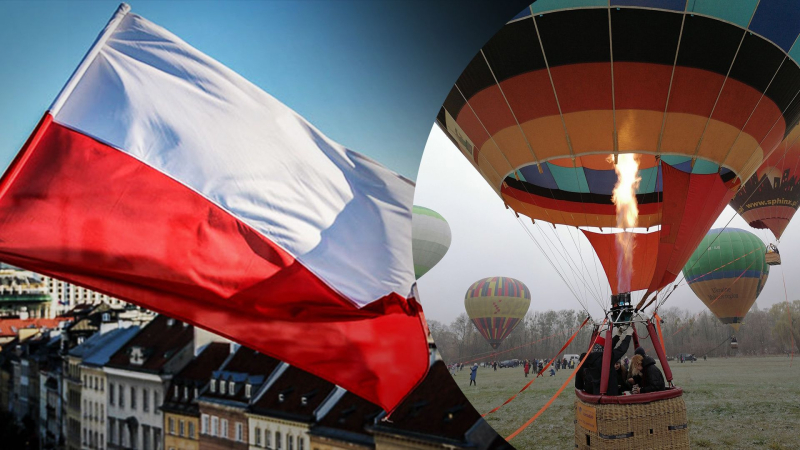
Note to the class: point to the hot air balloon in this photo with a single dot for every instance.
(496, 305)
(701, 96)
(727, 272)
(770, 197)
(430, 239)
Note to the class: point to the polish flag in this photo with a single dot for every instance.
(161, 177)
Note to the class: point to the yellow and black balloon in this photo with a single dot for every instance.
(702, 92)
(496, 305)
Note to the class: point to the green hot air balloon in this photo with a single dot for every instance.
(728, 273)
(430, 239)
(496, 305)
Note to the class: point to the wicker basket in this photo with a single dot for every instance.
(642, 421)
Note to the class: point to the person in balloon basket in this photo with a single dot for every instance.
(622, 377)
(648, 376)
(473, 374)
(589, 378)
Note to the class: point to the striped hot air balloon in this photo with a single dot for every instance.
(701, 93)
(430, 239)
(727, 272)
(496, 306)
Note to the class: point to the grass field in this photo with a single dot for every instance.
(732, 403)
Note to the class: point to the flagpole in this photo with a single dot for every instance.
(104, 35)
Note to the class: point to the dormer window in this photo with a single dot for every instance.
(222, 386)
(231, 387)
(106, 317)
(186, 392)
(280, 398)
(137, 355)
(176, 392)
(304, 401)
(247, 388)
(213, 386)
(195, 393)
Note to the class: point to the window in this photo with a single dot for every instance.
(182, 428)
(231, 387)
(145, 437)
(156, 438)
(214, 426)
(112, 430)
(204, 424)
(300, 443)
(239, 432)
(195, 392)
(111, 394)
(247, 388)
(213, 386)
(222, 386)
(171, 425)
(191, 430)
(145, 400)
(121, 432)
(267, 439)
(224, 426)
(156, 401)
(289, 442)
(277, 440)
(257, 433)
(121, 396)
(133, 397)
(175, 394)
(186, 393)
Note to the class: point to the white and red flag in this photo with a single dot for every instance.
(162, 177)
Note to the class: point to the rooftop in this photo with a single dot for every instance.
(246, 366)
(296, 394)
(153, 346)
(348, 420)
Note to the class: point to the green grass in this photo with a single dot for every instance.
(732, 403)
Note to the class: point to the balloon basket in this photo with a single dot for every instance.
(653, 421)
(773, 258)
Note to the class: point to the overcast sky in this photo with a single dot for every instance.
(488, 241)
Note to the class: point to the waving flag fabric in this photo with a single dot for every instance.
(162, 177)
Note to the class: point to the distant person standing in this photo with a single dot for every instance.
(473, 374)
(527, 368)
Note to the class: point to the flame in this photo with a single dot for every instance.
(624, 198)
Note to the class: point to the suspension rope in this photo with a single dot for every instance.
(563, 386)
(569, 341)
(493, 353)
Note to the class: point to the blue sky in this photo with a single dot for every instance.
(370, 75)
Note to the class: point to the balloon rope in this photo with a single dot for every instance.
(660, 334)
(481, 355)
(569, 341)
(695, 279)
(718, 297)
(755, 189)
(563, 386)
(789, 312)
(718, 346)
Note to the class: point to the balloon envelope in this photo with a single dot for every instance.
(430, 239)
(706, 91)
(770, 197)
(727, 272)
(496, 305)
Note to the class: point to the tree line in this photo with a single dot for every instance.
(542, 333)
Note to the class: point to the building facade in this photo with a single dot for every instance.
(231, 388)
(137, 376)
(284, 412)
(181, 412)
